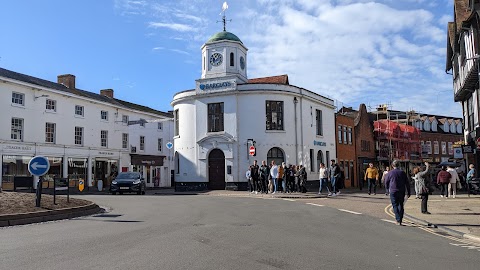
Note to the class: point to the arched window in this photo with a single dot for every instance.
(232, 60)
(275, 154)
(177, 163)
(319, 158)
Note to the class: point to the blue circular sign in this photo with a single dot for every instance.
(38, 166)
(202, 86)
(169, 145)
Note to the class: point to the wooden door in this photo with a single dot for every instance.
(216, 170)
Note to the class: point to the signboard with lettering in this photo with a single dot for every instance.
(209, 85)
(467, 149)
(319, 143)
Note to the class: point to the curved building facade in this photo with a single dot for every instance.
(218, 122)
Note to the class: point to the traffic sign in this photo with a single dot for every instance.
(169, 145)
(38, 166)
(251, 150)
(81, 185)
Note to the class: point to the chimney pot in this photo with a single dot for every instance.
(107, 93)
(67, 79)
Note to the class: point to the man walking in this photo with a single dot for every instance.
(371, 175)
(396, 182)
(274, 175)
(333, 174)
(264, 172)
(254, 174)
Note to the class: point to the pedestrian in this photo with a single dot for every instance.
(424, 185)
(249, 179)
(383, 179)
(443, 179)
(340, 181)
(452, 186)
(274, 176)
(302, 179)
(295, 175)
(470, 174)
(333, 174)
(323, 177)
(285, 177)
(281, 170)
(291, 179)
(254, 174)
(397, 184)
(264, 173)
(371, 176)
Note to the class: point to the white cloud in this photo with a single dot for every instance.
(172, 26)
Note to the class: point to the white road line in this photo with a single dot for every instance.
(290, 200)
(351, 212)
(315, 204)
(391, 221)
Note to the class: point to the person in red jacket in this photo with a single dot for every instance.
(443, 178)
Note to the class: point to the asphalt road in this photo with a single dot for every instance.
(209, 232)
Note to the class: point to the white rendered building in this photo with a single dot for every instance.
(86, 136)
(226, 113)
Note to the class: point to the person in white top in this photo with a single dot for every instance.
(248, 175)
(274, 175)
(323, 177)
(383, 179)
(452, 186)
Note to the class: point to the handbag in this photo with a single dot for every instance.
(459, 185)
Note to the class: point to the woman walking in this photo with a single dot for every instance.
(443, 179)
(452, 186)
(323, 179)
(423, 185)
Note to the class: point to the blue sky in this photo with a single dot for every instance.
(371, 52)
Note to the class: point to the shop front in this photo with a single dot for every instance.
(151, 167)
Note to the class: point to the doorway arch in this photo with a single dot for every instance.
(216, 170)
(275, 154)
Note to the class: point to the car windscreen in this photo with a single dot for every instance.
(128, 176)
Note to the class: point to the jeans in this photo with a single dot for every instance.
(275, 184)
(284, 185)
(372, 182)
(424, 202)
(397, 200)
(334, 184)
(444, 187)
(323, 182)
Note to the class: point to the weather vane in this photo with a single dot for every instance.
(224, 19)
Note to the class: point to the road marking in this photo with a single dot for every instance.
(290, 200)
(351, 212)
(315, 204)
(391, 221)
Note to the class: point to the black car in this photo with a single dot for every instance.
(128, 182)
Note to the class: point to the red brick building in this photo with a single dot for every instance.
(346, 158)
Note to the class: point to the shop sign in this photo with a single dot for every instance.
(17, 147)
(467, 149)
(106, 153)
(147, 160)
(319, 143)
(457, 152)
(76, 163)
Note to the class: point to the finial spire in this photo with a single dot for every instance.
(224, 18)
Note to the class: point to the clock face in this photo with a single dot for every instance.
(216, 59)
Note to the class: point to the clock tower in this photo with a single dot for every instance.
(224, 55)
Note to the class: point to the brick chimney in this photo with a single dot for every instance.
(107, 92)
(67, 79)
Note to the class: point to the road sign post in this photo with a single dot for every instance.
(39, 166)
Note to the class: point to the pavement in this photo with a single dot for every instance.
(460, 216)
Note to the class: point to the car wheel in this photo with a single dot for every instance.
(121, 193)
(114, 193)
(143, 192)
(139, 192)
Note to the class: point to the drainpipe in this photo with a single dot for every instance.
(295, 101)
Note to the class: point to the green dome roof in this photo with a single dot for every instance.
(224, 35)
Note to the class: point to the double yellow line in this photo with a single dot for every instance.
(410, 223)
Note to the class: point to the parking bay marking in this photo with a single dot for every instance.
(351, 212)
